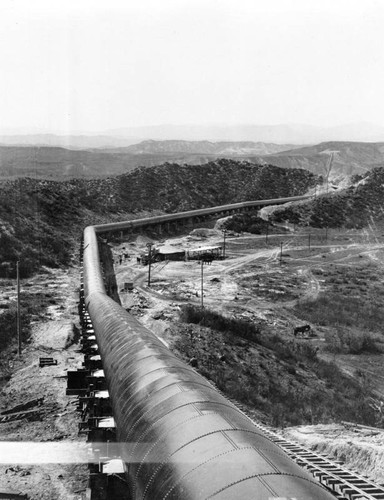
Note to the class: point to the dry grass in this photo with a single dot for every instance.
(285, 381)
(33, 306)
(352, 304)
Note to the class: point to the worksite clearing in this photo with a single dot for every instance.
(261, 280)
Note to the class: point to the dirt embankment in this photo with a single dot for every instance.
(359, 448)
(32, 460)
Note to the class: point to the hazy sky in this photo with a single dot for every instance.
(96, 65)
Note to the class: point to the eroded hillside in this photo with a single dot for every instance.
(63, 163)
(349, 158)
(355, 207)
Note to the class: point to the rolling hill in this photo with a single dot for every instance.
(223, 149)
(41, 220)
(349, 157)
(60, 163)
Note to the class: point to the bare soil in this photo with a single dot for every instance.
(360, 449)
(255, 281)
(260, 282)
(40, 468)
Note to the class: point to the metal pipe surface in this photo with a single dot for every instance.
(179, 437)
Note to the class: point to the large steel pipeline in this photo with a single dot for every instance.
(136, 223)
(180, 438)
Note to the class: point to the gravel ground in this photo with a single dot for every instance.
(33, 459)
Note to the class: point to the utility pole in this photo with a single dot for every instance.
(18, 309)
(266, 232)
(328, 167)
(202, 287)
(309, 241)
(281, 252)
(224, 233)
(149, 246)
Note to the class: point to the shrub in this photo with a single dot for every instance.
(334, 309)
(8, 325)
(246, 222)
(211, 319)
(352, 342)
(270, 380)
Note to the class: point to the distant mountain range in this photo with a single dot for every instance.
(123, 137)
(278, 134)
(223, 149)
(67, 141)
(61, 163)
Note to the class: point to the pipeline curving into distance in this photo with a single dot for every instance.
(180, 438)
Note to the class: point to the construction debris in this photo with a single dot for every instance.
(47, 362)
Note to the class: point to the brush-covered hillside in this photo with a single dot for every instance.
(172, 187)
(354, 207)
(41, 220)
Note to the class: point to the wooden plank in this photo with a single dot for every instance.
(20, 415)
(23, 406)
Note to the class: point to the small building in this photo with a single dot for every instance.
(168, 252)
(198, 253)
